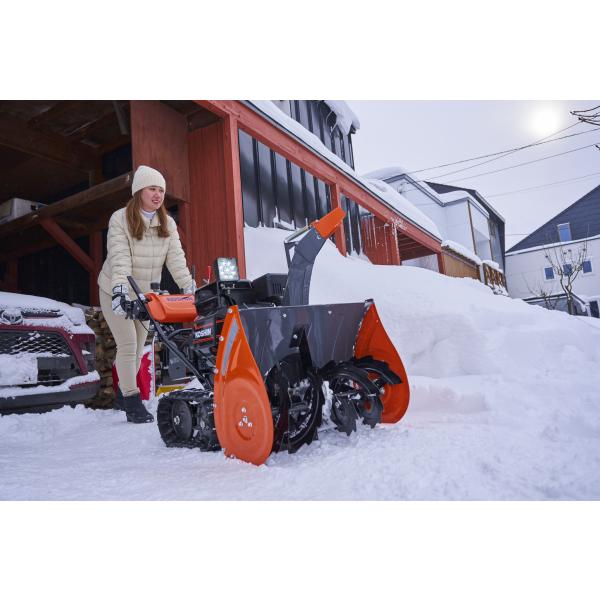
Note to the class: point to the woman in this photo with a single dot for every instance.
(142, 238)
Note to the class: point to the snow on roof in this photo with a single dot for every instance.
(415, 215)
(402, 205)
(462, 251)
(387, 172)
(553, 245)
(346, 117)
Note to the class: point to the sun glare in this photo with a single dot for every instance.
(545, 120)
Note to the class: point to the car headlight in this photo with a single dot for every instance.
(227, 269)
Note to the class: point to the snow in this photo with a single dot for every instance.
(504, 405)
(18, 369)
(402, 205)
(460, 249)
(493, 264)
(69, 318)
(346, 117)
(389, 197)
(65, 386)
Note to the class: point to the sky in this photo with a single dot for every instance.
(423, 134)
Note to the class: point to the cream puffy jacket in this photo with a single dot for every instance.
(143, 259)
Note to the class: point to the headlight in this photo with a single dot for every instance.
(227, 269)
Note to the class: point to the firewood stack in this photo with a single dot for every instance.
(106, 350)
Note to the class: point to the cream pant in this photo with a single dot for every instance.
(130, 337)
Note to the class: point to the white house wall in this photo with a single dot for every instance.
(458, 224)
(525, 273)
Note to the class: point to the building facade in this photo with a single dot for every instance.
(472, 230)
(569, 243)
(227, 164)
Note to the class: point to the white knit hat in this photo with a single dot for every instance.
(145, 177)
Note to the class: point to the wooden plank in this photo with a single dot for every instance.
(159, 139)
(15, 133)
(67, 242)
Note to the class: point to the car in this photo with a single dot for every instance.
(47, 354)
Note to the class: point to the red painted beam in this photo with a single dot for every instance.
(283, 143)
(233, 188)
(340, 237)
(67, 242)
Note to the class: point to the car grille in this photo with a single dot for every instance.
(34, 342)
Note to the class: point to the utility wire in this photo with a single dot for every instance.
(529, 162)
(537, 187)
(510, 150)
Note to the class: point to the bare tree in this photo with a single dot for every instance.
(538, 290)
(591, 115)
(567, 263)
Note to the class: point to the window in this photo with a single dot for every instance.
(594, 312)
(564, 232)
(587, 266)
(549, 273)
(568, 269)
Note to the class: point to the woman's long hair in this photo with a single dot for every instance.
(134, 218)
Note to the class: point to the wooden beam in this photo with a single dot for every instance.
(16, 133)
(201, 118)
(113, 186)
(67, 242)
(57, 109)
(340, 237)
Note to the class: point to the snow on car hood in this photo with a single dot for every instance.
(69, 318)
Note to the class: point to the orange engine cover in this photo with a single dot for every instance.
(172, 308)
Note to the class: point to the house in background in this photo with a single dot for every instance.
(531, 276)
(472, 231)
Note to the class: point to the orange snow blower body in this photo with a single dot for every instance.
(273, 368)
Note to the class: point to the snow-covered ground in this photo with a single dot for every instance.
(505, 404)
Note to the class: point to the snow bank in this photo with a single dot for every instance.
(504, 405)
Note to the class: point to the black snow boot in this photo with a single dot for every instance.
(119, 400)
(136, 411)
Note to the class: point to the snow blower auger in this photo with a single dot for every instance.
(272, 368)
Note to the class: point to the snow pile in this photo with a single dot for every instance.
(462, 251)
(504, 405)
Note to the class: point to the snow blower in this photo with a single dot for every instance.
(273, 370)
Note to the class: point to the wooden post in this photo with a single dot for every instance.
(441, 265)
(96, 254)
(340, 237)
(233, 189)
